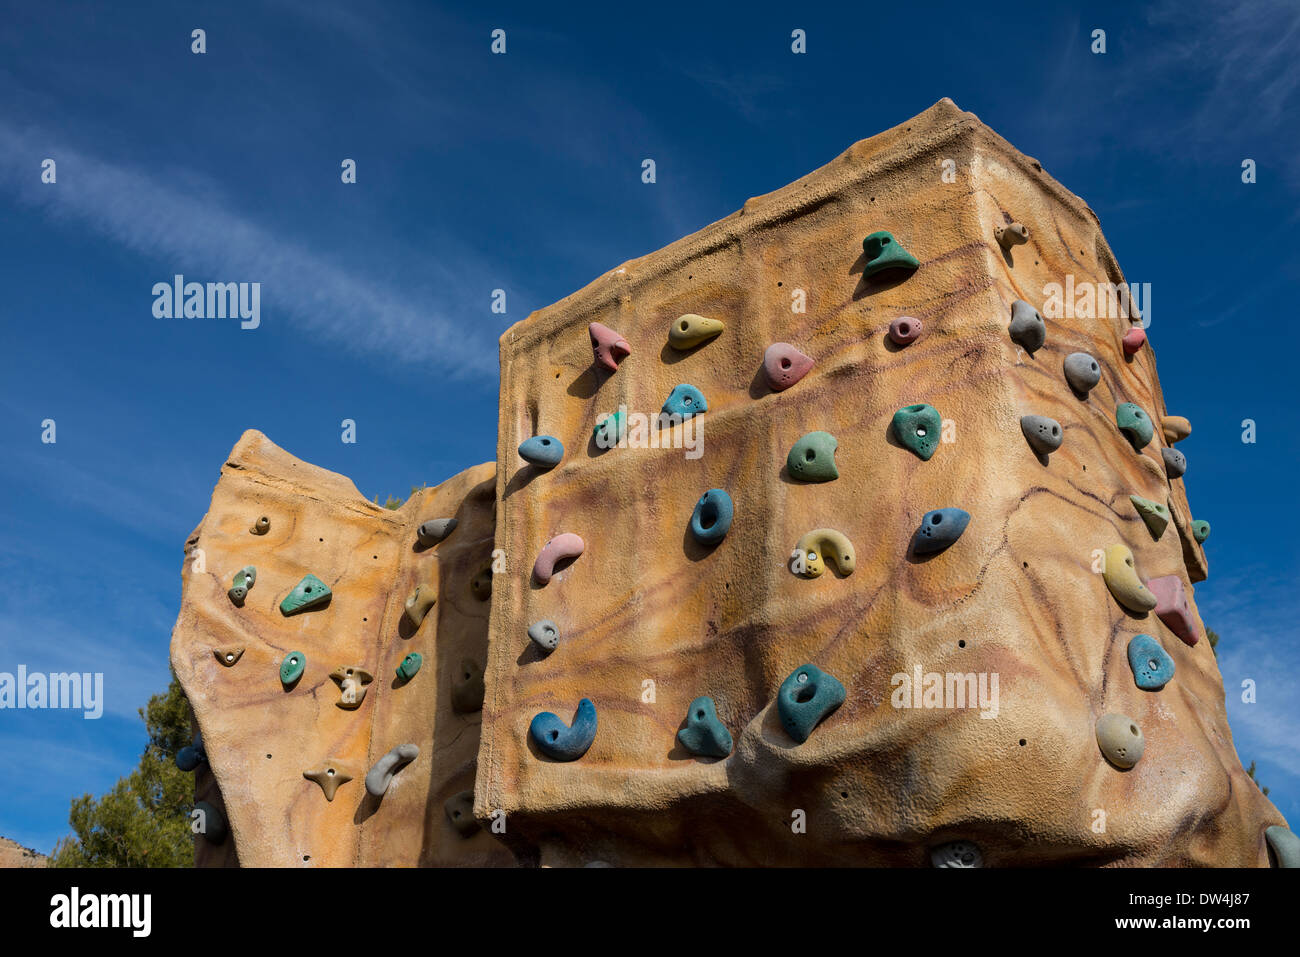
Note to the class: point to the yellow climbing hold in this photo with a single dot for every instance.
(690, 330)
(1122, 579)
(820, 546)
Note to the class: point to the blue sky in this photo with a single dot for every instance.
(522, 172)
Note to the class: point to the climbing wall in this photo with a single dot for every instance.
(641, 617)
(259, 680)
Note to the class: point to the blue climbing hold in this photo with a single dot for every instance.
(940, 527)
(565, 742)
(712, 517)
(685, 400)
(544, 451)
(805, 698)
(191, 756)
(1151, 664)
(705, 733)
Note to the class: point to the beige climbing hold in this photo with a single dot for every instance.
(822, 545)
(1122, 579)
(467, 687)
(261, 526)
(330, 778)
(1120, 740)
(1175, 428)
(690, 330)
(229, 654)
(353, 680)
(1012, 234)
(418, 603)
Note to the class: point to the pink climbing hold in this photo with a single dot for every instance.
(1134, 339)
(608, 346)
(1172, 607)
(904, 330)
(784, 365)
(566, 545)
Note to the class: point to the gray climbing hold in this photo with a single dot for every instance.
(244, 579)
(459, 809)
(1027, 326)
(806, 697)
(1120, 740)
(543, 451)
(1151, 664)
(705, 734)
(1082, 372)
(467, 687)
(545, 634)
(957, 854)
(1175, 462)
(1154, 514)
(1285, 845)
(209, 822)
(435, 530)
(381, 775)
(1043, 434)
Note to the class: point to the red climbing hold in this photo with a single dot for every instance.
(1172, 607)
(1134, 339)
(784, 365)
(608, 346)
(904, 329)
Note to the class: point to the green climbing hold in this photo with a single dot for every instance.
(308, 593)
(916, 427)
(292, 667)
(244, 579)
(883, 252)
(813, 458)
(805, 698)
(609, 431)
(1135, 424)
(705, 734)
(1153, 513)
(1284, 845)
(410, 665)
(1200, 530)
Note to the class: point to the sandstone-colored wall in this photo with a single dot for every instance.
(260, 737)
(879, 785)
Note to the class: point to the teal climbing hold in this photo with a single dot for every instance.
(1135, 424)
(308, 593)
(244, 579)
(1151, 664)
(562, 742)
(813, 458)
(1285, 845)
(686, 400)
(291, 667)
(883, 252)
(609, 431)
(705, 734)
(1200, 530)
(711, 519)
(805, 698)
(410, 665)
(917, 427)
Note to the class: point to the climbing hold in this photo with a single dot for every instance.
(806, 697)
(685, 400)
(228, 654)
(308, 593)
(381, 775)
(939, 528)
(690, 330)
(292, 667)
(712, 517)
(481, 584)
(821, 545)
(1027, 327)
(545, 634)
(608, 346)
(610, 430)
(261, 526)
(459, 809)
(1173, 608)
(244, 579)
(1151, 664)
(543, 451)
(1175, 462)
(410, 666)
(1133, 340)
(784, 365)
(1012, 234)
(418, 603)
(211, 822)
(883, 252)
(1043, 434)
(1122, 579)
(330, 778)
(353, 682)
(566, 545)
(192, 755)
(1153, 513)
(1135, 424)
(916, 427)
(1285, 845)
(565, 743)
(704, 733)
(435, 530)
(812, 459)
(1120, 740)
(1082, 372)
(905, 330)
(1175, 428)
(1200, 530)
(957, 854)
(467, 687)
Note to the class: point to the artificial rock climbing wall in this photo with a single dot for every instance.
(259, 680)
(648, 618)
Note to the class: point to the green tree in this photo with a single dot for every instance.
(144, 820)
(1213, 638)
(1250, 771)
(394, 502)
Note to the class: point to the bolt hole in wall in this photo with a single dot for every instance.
(1022, 742)
(961, 643)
